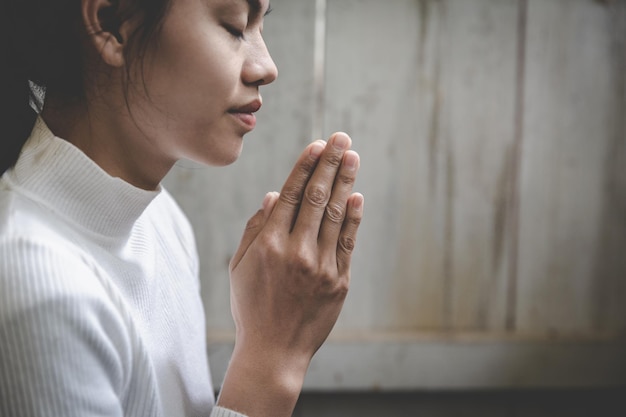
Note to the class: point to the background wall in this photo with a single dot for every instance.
(492, 256)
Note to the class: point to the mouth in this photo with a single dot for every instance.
(245, 114)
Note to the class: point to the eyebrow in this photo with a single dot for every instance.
(255, 7)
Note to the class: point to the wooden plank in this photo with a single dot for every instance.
(381, 88)
(572, 233)
(479, 67)
(219, 201)
(427, 90)
(429, 99)
(610, 265)
(386, 364)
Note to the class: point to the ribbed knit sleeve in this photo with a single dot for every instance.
(64, 350)
(223, 412)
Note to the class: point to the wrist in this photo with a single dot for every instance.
(260, 382)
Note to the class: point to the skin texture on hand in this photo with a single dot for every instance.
(289, 279)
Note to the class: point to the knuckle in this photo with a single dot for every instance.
(270, 246)
(327, 285)
(305, 264)
(346, 179)
(291, 196)
(306, 167)
(334, 159)
(335, 213)
(328, 273)
(326, 281)
(316, 195)
(342, 288)
(354, 221)
(347, 243)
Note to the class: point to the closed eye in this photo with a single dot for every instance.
(236, 33)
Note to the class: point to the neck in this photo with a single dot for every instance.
(108, 135)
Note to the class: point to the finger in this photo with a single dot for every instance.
(253, 227)
(288, 204)
(269, 202)
(335, 211)
(319, 188)
(347, 237)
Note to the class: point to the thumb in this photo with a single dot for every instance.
(254, 227)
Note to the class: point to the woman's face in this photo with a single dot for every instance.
(202, 77)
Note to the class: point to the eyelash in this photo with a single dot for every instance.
(236, 33)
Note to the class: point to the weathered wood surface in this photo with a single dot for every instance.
(493, 145)
(572, 241)
(457, 364)
(429, 98)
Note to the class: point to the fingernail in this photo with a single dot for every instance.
(341, 141)
(267, 199)
(351, 160)
(317, 148)
(358, 202)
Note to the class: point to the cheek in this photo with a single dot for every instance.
(192, 81)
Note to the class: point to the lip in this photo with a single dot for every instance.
(245, 114)
(252, 107)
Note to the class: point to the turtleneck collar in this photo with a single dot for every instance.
(58, 174)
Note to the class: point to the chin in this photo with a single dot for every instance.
(225, 162)
(219, 159)
(218, 149)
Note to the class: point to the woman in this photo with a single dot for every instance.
(100, 311)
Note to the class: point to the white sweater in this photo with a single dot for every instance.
(100, 313)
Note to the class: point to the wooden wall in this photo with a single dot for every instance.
(492, 136)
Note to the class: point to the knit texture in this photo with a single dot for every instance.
(100, 313)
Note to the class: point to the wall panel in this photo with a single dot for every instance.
(493, 146)
(573, 112)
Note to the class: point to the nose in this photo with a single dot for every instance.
(259, 69)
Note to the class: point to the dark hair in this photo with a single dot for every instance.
(40, 50)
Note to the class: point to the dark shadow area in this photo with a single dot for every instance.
(544, 403)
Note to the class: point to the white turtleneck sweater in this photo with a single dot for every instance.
(100, 313)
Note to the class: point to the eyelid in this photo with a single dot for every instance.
(237, 33)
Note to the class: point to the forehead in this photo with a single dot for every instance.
(256, 7)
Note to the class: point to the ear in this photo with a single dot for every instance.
(105, 29)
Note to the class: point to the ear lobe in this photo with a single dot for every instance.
(103, 24)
